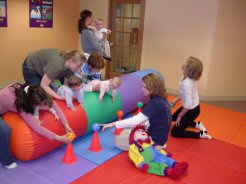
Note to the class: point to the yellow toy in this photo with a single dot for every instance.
(71, 136)
(146, 157)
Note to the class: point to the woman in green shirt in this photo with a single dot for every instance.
(44, 66)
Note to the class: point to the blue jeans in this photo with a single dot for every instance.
(30, 77)
(6, 156)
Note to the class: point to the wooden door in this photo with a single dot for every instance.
(126, 22)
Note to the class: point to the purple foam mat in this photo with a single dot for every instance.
(142, 73)
(131, 92)
(49, 169)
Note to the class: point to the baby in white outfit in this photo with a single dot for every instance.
(100, 32)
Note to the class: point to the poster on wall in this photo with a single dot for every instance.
(3, 13)
(41, 13)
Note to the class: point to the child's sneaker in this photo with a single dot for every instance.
(11, 166)
(200, 126)
(204, 135)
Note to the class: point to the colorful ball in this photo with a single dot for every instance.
(71, 136)
(96, 127)
(140, 104)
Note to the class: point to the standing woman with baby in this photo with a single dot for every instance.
(89, 41)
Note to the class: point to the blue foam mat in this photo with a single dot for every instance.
(49, 169)
(81, 147)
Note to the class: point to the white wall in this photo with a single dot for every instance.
(18, 39)
(212, 30)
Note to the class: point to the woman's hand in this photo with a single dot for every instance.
(62, 138)
(45, 82)
(62, 98)
(105, 126)
(177, 123)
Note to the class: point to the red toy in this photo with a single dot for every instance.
(120, 115)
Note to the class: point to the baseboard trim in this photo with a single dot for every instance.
(213, 98)
(7, 83)
(223, 98)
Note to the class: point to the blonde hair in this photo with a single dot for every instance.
(99, 19)
(194, 68)
(155, 85)
(117, 81)
(73, 81)
(76, 56)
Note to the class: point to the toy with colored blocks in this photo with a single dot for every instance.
(120, 115)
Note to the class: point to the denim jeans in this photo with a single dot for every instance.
(6, 156)
(30, 77)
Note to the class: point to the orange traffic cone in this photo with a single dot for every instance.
(118, 131)
(69, 156)
(95, 144)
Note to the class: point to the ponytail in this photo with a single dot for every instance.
(81, 25)
(22, 102)
(81, 22)
(27, 100)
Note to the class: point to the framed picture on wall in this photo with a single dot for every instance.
(41, 13)
(3, 13)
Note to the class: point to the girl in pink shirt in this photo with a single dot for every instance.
(16, 98)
